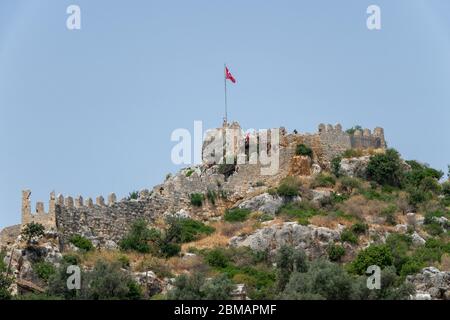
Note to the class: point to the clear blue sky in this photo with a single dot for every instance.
(91, 112)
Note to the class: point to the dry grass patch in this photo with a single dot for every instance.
(360, 207)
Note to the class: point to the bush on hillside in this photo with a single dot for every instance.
(236, 215)
(303, 150)
(289, 187)
(81, 242)
(386, 169)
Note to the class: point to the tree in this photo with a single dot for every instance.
(289, 260)
(139, 237)
(107, 281)
(323, 280)
(198, 287)
(5, 283)
(379, 255)
(32, 230)
(386, 169)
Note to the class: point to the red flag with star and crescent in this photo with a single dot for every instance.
(229, 76)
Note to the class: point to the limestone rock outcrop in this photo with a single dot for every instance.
(431, 283)
(314, 240)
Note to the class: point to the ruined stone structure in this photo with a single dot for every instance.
(108, 221)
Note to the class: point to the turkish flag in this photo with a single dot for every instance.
(229, 76)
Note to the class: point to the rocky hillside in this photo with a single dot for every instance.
(310, 232)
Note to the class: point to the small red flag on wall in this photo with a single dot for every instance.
(229, 76)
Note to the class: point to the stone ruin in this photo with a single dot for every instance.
(108, 221)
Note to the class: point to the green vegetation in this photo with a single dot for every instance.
(323, 180)
(197, 287)
(303, 150)
(289, 187)
(236, 215)
(189, 172)
(163, 243)
(3, 266)
(349, 236)
(386, 169)
(5, 283)
(197, 199)
(336, 166)
(44, 270)
(359, 228)
(211, 195)
(81, 242)
(378, 255)
(335, 252)
(301, 211)
(140, 238)
(134, 195)
(32, 230)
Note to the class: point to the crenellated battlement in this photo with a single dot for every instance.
(47, 219)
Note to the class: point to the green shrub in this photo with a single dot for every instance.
(134, 195)
(236, 215)
(322, 281)
(5, 284)
(430, 217)
(217, 258)
(170, 249)
(197, 287)
(359, 228)
(411, 266)
(140, 238)
(81, 242)
(323, 180)
(2, 263)
(420, 175)
(336, 166)
(378, 255)
(303, 150)
(289, 187)
(182, 230)
(189, 172)
(386, 169)
(446, 188)
(348, 236)
(211, 195)
(389, 214)
(32, 230)
(300, 210)
(71, 259)
(107, 281)
(335, 252)
(348, 184)
(44, 270)
(197, 199)
(287, 261)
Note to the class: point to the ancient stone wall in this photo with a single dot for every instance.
(110, 220)
(47, 219)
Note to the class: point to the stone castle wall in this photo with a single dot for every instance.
(110, 221)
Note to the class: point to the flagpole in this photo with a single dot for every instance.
(225, 87)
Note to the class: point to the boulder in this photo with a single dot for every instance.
(431, 281)
(417, 240)
(354, 167)
(264, 203)
(314, 240)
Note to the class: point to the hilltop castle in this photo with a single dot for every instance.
(105, 223)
